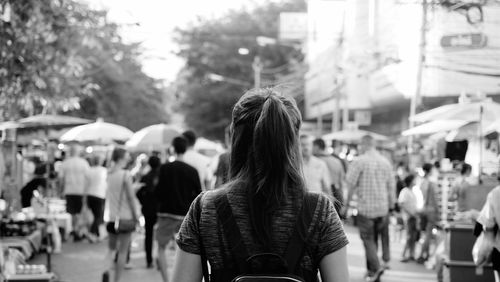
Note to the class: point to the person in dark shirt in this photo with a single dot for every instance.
(146, 197)
(178, 185)
(38, 182)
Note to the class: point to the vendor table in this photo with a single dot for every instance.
(63, 221)
(459, 266)
(53, 208)
(28, 245)
(45, 277)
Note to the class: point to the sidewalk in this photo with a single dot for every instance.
(399, 272)
(82, 262)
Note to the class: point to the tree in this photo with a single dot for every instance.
(61, 56)
(210, 46)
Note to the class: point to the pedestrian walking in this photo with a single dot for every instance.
(429, 215)
(408, 204)
(75, 178)
(488, 222)
(96, 193)
(146, 196)
(197, 160)
(335, 169)
(315, 170)
(254, 216)
(459, 189)
(178, 185)
(370, 176)
(123, 217)
(140, 167)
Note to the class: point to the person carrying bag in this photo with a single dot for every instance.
(487, 247)
(123, 217)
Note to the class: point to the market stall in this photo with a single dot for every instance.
(466, 130)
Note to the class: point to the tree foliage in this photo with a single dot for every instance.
(62, 56)
(210, 46)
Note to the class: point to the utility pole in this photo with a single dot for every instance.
(416, 98)
(257, 69)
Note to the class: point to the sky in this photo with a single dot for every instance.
(157, 19)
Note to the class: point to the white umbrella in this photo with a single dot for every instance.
(353, 136)
(52, 120)
(153, 137)
(99, 132)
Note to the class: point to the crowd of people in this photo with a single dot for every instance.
(271, 179)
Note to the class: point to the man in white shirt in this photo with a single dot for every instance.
(316, 173)
(335, 169)
(74, 176)
(197, 160)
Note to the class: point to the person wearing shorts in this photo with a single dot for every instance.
(166, 228)
(74, 177)
(121, 206)
(178, 185)
(74, 204)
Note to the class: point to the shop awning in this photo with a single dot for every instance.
(435, 127)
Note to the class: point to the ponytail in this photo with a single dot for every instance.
(265, 156)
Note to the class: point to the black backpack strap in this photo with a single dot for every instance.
(297, 244)
(204, 262)
(232, 232)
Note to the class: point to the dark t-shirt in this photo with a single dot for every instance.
(178, 185)
(146, 194)
(327, 233)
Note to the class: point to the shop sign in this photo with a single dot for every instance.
(363, 118)
(465, 40)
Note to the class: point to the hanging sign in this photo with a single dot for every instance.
(465, 40)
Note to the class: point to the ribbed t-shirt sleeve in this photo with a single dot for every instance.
(331, 237)
(188, 237)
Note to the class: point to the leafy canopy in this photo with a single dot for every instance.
(210, 47)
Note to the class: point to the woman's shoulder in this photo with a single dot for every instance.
(208, 198)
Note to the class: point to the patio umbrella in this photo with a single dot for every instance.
(98, 132)
(153, 137)
(51, 120)
(44, 121)
(10, 125)
(353, 136)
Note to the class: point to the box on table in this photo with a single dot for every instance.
(460, 271)
(459, 241)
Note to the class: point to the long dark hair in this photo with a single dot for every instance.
(265, 155)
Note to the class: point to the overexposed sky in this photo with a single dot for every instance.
(158, 19)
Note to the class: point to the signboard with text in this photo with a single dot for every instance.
(465, 40)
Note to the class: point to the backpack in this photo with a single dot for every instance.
(271, 267)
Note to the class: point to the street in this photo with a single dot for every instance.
(82, 262)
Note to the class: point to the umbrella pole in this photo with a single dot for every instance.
(480, 143)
